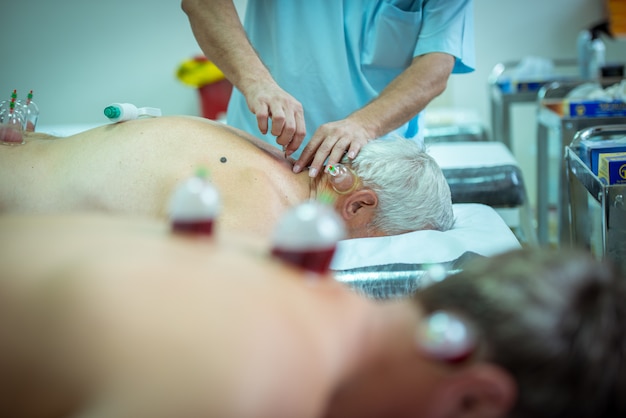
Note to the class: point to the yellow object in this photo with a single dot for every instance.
(617, 17)
(612, 168)
(198, 72)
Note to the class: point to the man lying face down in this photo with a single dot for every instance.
(113, 317)
(134, 166)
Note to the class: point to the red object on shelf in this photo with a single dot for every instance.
(214, 98)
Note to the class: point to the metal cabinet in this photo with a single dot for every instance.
(597, 210)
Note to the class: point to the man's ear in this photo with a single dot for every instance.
(480, 391)
(359, 203)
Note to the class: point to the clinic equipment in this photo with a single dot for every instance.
(446, 337)
(307, 235)
(583, 47)
(596, 205)
(342, 178)
(11, 122)
(194, 205)
(556, 128)
(30, 112)
(120, 112)
(213, 86)
(592, 51)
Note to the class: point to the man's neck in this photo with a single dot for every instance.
(387, 342)
(307, 185)
(312, 188)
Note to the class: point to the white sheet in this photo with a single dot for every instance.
(471, 154)
(478, 228)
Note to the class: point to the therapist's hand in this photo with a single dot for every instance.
(332, 140)
(269, 101)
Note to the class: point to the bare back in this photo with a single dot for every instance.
(133, 167)
(210, 328)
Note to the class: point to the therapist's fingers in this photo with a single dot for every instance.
(341, 147)
(336, 154)
(278, 121)
(283, 127)
(287, 124)
(262, 118)
(332, 141)
(319, 139)
(271, 104)
(297, 135)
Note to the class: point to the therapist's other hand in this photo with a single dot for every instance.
(269, 101)
(332, 140)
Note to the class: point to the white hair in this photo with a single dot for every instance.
(413, 193)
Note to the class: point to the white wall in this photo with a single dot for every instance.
(509, 30)
(80, 55)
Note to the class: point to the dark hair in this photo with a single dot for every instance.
(556, 320)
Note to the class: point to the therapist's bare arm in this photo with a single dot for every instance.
(402, 99)
(221, 36)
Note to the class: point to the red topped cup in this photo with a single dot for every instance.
(307, 235)
(194, 206)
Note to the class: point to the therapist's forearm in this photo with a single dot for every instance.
(221, 36)
(407, 95)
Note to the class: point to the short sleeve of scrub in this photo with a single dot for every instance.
(448, 26)
(335, 56)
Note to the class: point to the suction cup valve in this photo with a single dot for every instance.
(120, 112)
(194, 205)
(307, 235)
(113, 112)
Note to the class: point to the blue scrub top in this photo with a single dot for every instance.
(335, 56)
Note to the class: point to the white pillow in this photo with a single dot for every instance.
(478, 228)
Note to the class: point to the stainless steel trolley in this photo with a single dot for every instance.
(502, 97)
(553, 125)
(597, 210)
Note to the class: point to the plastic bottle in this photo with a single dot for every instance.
(194, 206)
(30, 112)
(307, 235)
(583, 47)
(597, 58)
(119, 112)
